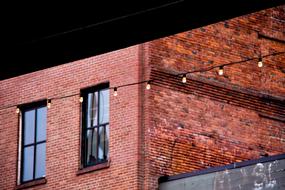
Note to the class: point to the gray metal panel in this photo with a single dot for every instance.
(260, 176)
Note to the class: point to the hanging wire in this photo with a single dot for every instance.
(109, 20)
(230, 63)
(180, 74)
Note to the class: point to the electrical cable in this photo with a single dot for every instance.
(109, 20)
(149, 81)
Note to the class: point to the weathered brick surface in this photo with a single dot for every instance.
(215, 132)
(225, 42)
(145, 142)
(63, 127)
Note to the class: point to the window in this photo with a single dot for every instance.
(95, 125)
(33, 142)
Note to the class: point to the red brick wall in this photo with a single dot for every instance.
(144, 140)
(229, 41)
(216, 132)
(63, 127)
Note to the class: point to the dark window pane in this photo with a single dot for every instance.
(104, 106)
(92, 146)
(92, 112)
(29, 127)
(41, 123)
(41, 160)
(28, 165)
(101, 143)
(96, 139)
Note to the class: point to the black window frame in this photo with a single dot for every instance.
(84, 147)
(24, 108)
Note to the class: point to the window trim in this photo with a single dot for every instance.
(33, 183)
(84, 93)
(24, 108)
(96, 167)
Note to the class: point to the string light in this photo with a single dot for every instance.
(259, 64)
(48, 103)
(221, 70)
(148, 85)
(184, 79)
(115, 91)
(81, 99)
(180, 127)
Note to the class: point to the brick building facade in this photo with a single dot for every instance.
(223, 119)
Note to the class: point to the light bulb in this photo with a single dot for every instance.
(180, 127)
(18, 110)
(259, 64)
(148, 85)
(48, 103)
(115, 91)
(221, 70)
(184, 78)
(81, 99)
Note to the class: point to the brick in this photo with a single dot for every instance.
(145, 142)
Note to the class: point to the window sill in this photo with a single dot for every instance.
(93, 168)
(32, 183)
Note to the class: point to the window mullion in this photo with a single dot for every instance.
(22, 147)
(98, 121)
(35, 145)
(104, 129)
(91, 123)
(85, 118)
(84, 129)
(40, 142)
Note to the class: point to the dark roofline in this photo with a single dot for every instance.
(96, 28)
(167, 178)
